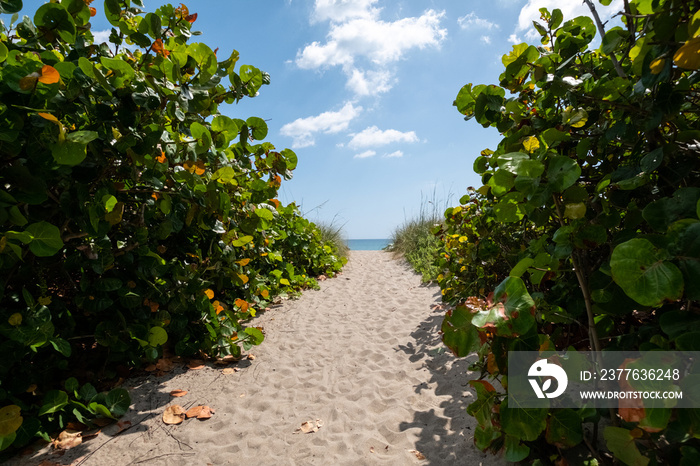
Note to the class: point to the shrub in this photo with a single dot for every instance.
(587, 226)
(133, 214)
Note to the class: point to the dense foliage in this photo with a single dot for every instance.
(586, 232)
(133, 214)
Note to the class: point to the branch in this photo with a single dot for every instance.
(601, 29)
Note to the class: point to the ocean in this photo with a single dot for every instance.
(367, 244)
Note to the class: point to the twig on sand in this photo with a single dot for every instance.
(86, 457)
(161, 456)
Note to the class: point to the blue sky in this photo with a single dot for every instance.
(362, 91)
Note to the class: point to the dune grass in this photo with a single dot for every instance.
(415, 241)
(333, 233)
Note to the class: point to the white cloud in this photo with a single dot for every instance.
(343, 10)
(369, 82)
(364, 45)
(303, 130)
(365, 154)
(486, 39)
(514, 39)
(101, 36)
(395, 154)
(373, 136)
(472, 21)
(531, 12)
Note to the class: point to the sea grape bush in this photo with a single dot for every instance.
(586, 232)
(133, 213)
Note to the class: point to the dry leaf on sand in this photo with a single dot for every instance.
(251, 357)
(178, 393)
(68, 439)
(165, 365)
(200, 412)
(150, 368)
(173, 414)
(93, 435)
(309, 427)
(418, 454)
(195, 364)
(228, 371)
(122, 425)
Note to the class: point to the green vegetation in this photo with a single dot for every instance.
(134, 215)
(332, 234)
(585, 234)
(416, 242)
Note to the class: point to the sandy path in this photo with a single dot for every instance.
(363, 355)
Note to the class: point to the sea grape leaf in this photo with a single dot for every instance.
(621, 442)
(53, 401)
(458, 333)
(564, 428)
(512, 311)
(643, 272)
(46, 239)
(10, 420)
(562, 172)
(515, 451)
(118, 401)
(523, 423)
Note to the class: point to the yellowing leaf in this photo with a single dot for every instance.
(29, 81)
(209, 293)
(244, 278)
(45, 300)
(10, 420)
(688, 56)
(217, 307)
(531, 144)
(49, 75)
(158, 48)
(15, 319)
(48, 116)
(199, 167)
(265, 294)
(161, 158)
(243, 262)
(657, 66)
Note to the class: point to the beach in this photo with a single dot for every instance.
(360, 359)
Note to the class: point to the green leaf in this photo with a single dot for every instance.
(55, 18)
(256, 335)
(562, 172)
(69, 152)
(258, 127)
(3, 52)
(688, 252)
(54, 401)
(242, 241)
(458, 333)
(47, 239)
(7, 440)
(82, 137)
(564, 428)
(118, 401)
(10, 6)
(643, 273)
(62, 346)
(291, 159)
(514, 450)
(512, 311)
(621, 442)
(523, 423)
(157, 336)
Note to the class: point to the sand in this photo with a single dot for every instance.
(362, 357)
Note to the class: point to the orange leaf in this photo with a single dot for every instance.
(487, 386)
(87, 2)
(205, 413)
(182, 11)
(161, 158)
(209, 293)
(191, 18)
(243, 304)
(275, 202)
(243, 262)
(217, 307)
(93, 11)
(49, 75)
(158, 48)
(199, 167)
(243, 278)
(265, 294)
(194, 411)
(178, 393)
(48, 116)
(165, 365)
